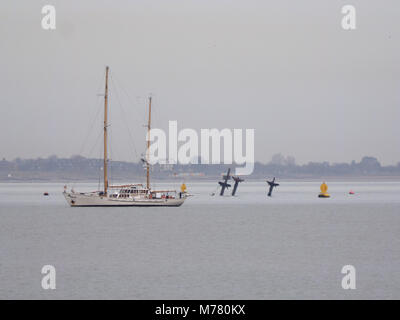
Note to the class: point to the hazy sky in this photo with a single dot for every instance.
(285, 68)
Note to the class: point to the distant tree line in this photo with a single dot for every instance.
(81, 168)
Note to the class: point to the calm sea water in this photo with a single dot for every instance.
(290, 246)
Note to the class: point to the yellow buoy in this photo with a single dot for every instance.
(324, 189)
(183, 187)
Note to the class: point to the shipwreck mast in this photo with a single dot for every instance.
(148, 148)
(105, 133)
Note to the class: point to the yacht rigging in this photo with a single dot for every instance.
(125, 195)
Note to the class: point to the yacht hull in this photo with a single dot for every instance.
(95, 200)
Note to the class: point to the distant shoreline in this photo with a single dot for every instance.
(215, 179)
(78, 168)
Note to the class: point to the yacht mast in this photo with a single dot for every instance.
(148, 146)
(105, 133)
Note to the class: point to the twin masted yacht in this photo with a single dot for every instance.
(130, 195)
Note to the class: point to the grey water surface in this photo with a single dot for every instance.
(290, 246)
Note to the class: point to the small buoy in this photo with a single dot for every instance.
(324, 189)
(46, 194)
(183, 187)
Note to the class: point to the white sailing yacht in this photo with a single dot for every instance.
(131, 195)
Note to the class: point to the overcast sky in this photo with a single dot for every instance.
(285, 68)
